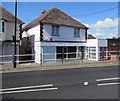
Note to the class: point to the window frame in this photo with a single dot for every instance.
(76, 32)
(91, 52)
(55, 30)
(2, 27)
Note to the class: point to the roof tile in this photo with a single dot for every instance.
(55, 16)
(6, 15)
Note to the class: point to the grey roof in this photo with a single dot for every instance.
(6, 15)
(55, 16)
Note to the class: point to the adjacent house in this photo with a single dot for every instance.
(7, 21)
(96, 49)
(52, 34)
(113, 48)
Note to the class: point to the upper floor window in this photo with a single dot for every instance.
(2, 26)
(55, 30)
(76, 32)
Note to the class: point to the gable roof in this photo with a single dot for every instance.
(90, 36)
(55, 16)
(6, 15)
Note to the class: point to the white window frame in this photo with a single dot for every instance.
(76, 32)
(1, 22)
(55, 30)
(91, 53)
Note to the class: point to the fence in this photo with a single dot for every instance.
(57, 57)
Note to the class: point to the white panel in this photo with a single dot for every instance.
(37, 51)
(92, 42)
(102, 43)
(49, 54)
(61, 44)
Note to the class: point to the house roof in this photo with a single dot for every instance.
(6, 15)
(90, 36)
(55, 16)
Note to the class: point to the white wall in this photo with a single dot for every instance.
(92, 43)
(2, 37)
(66, 33)
(34, 38)
(102, 42)
(97, 43)
(35, 31)
(9, 30)
(37, 52)
(7, 35)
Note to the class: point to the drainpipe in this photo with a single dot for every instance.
(41, 39)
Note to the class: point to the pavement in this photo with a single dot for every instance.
(58, 65)
(76, 83)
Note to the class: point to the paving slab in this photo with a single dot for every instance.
(58, 65)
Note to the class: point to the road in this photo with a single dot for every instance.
(79, 83)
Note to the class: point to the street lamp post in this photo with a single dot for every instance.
(14, 36)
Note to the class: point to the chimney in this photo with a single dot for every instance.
(43, 11)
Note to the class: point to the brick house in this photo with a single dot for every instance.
(114, 48)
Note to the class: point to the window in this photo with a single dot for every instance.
(76, 32)
(55, 30)
(103, 53)
(69, 52)
(2, 27)
(91, 52)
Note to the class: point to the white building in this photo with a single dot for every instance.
(7, 23)
(52, 33)
(96, 49)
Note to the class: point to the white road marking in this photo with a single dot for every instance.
(17, 88)
(20, 91)
(108, 79)
(85, 83)
(105, 84)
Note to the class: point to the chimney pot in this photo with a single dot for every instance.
(43, 11)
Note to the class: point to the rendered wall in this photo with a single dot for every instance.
(32, 42)
(96, 43)
(9, 31)
(65, 34)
